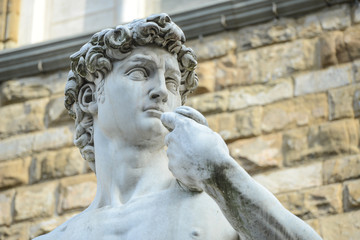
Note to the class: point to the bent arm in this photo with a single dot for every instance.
(199, 158)
(251, 209)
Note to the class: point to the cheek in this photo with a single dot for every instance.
(174, 101)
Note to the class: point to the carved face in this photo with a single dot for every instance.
(137, 91)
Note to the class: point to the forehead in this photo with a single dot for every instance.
(153, 55)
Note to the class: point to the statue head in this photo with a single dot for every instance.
(94, 61)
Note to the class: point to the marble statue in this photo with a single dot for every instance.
(162, 173)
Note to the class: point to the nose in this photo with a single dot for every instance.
(159, 92)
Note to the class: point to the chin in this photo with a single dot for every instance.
(154, 130)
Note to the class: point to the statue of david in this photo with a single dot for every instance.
(162, 173)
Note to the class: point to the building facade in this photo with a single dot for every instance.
(279, 80)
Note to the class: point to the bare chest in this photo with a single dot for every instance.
(182, 216)
(196, 217)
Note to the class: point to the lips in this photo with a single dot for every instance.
(154, 111)
(158, 108)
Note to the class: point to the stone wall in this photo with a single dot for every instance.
(285, 96)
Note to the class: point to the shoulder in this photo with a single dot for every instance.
(71, 227)
(89, 224)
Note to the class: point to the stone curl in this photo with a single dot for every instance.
(93, 62)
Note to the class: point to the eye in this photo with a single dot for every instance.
(172, 85)
(137, 74)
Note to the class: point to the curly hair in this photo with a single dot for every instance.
(94, 61)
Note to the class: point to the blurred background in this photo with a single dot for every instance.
(279, 80)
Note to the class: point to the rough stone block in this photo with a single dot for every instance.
(291, 179)
(240, 124)
(247, 68)
(295, 145)
(22, 117)
(323, 201)
(352, 194)
(356, 70)
(55, 164)
(322, 80)
(243, 97)
(335, 18)
(53, 139)
(213, 46)
(341, 226)
(263, 34)
(22, 145)
(56, 112)
(288, 58)
(226, 126)
(340, 169)
(248, 122)
(344, 102)
(6, 199)
(321, 140)
(15, 232)
(295, 112)
(282, 30)
(227, 73)
(208, 103)
(314, 202)
(259, 153)
(206, 74)
(308, 26)
(14, 172)
(337, 137)
(352, 41)
(33, 87)
(277, 61)
(333, 49)
(14, 147)
(35, 201)
(77, 192)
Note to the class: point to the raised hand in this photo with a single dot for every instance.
(195, 152)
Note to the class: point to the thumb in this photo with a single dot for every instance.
(170, 120)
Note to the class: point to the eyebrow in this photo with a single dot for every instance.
(174, 71)
(141, 58)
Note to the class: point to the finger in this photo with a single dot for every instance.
(192, 114)
(170, 120)
(168, 139)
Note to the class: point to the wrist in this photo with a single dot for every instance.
(220, 172)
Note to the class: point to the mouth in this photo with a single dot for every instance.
(154, 111)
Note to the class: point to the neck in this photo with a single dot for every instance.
(125, 172)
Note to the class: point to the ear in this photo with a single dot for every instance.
(87, 99)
